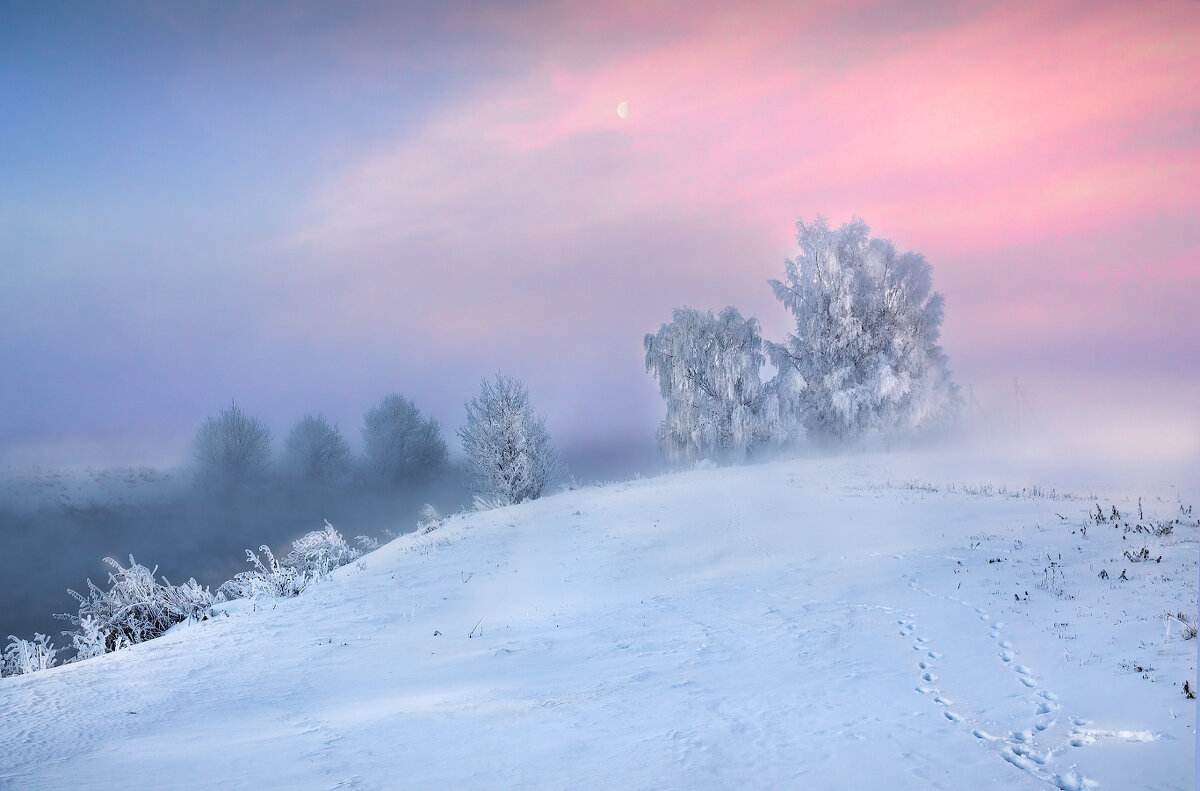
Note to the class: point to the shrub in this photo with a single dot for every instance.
(320, 552)
(136, 608)
(27, 656)
(270, 579)
(89, 639)
(311, 558)
(429, 520)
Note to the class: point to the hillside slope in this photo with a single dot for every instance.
(805, 624)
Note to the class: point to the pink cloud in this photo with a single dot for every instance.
(1006, 128)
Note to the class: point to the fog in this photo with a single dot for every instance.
(57, 524)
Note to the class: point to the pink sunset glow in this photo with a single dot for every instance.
(1016, 126)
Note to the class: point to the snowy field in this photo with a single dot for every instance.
(829, 624)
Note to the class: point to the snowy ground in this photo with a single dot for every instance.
(808, 624)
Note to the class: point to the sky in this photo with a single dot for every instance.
(305, 206)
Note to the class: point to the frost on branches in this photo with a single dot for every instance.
(312, 557)
(507, 446)
(320, 552)
(866, 341)
(708, 372)
(27, 656)
(134, 609)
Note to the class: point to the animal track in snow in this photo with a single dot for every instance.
(1020, 748)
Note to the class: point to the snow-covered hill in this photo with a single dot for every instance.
(816, 624)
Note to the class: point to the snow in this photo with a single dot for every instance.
(819, 623)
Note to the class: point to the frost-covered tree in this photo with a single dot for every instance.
(865, 347)
(399, 445)
(233, 447)
(27, 656)
(708, 371)
(316, 451)
(507, 445)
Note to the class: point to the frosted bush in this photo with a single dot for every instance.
(267, 579)
(136, 608)
(320, 552)
(489, 502)
(429, 520)
(89, 639)
(27, 656)
(312, 557)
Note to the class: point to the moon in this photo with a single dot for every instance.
(623, 109)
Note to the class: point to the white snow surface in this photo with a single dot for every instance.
(820, 623)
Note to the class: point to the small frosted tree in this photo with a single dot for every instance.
(400, 446)
(507, 446)
(708, 371)
(233, 447)
(864, 354)
(316, 451)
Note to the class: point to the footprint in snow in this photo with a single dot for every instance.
(1071, 781)
(1038, 758)
(1006, 656)
(1023, 670)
